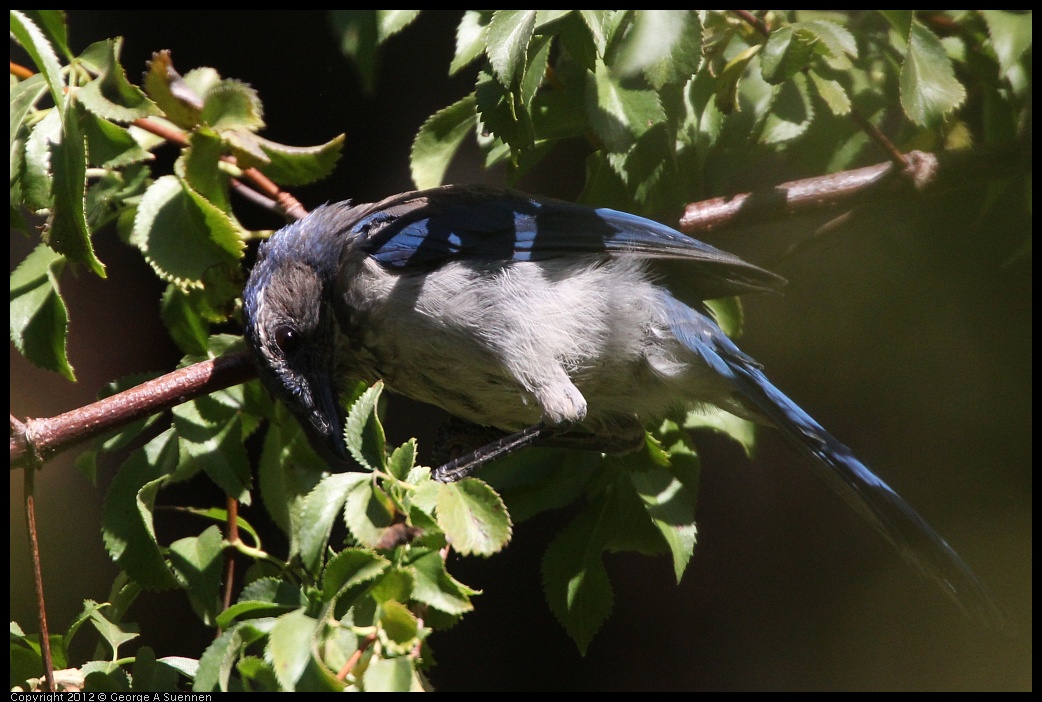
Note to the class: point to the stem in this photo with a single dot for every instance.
(34, 555)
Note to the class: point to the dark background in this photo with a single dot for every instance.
(907, 334)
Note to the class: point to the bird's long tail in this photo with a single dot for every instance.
(917, 542)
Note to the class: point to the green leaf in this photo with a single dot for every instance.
(714, 419)
(832, 92)
(786, 53)
(790, 114)
(669, 497)
(363, 432)
(197, 561)
(40, 51)
(502, 116)
(507, 38)
(218, 660)
(402, 460)
(470, 39)
(111, 96)
(39, 321)
(438, 140)
(350, 568)
(390, 22)
(232, 105)
(181, 234)
(52, 24)
(900, 20)
(185, 325)
(397, 628)
(1010, 34)
(179, 98)
(358, 33)
(666, 45)
(619, 115)
(24, 95)
(729, 77)
(264, 597)
(389, 675)
(434, 586)
(215, 444)
(320, 510)
(109, 145)
(289, 647)
(601, 24)
(289, 470)
(66, 231)
(473, 517)
(575, 582)
(368, 512)
(299, 165)
(127, 519)
(115, 634)
(929, 88)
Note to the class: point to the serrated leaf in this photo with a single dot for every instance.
(198, 166)
(666, 45)
(215, 445)
(470, 39)
(438, 140)
(729, 77)
(24, 95)
(320, 509)
(832, 92)
(110, 95)
(402, 460)
(390, 22)
(232, 105)
(473, 517)
(185, 325)
(289, 470)
(39, 322)
(1010, 34)
(218, 660)
(600, 24)
(740, 430)
(670, 503)
(507, 38)
(110, 145)
(786, 53)
(39, 49)
(397, 628)
(368, 512)
(790, 114)
(127, 521)
(299, 165)
(181, 234)
(350, 568)
(115, 634)
(198, 561)
(66, 230)
(389, 675)
(929, 88)
(363, 432)
(434, 586)
(290, 645)
(501, 116)
(575, 582)
(619, 115)
(177, 97)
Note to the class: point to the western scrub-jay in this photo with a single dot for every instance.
(515, 312)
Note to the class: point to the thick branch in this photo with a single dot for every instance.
(36, 440)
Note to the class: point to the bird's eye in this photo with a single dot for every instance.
(287, 339)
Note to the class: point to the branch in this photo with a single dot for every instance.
(925, 172)
(36, 440)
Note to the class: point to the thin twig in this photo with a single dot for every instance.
(346, 669)
(34, 555)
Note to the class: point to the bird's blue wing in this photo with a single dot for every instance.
(427, 228)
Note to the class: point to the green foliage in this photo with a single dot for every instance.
(668, 103)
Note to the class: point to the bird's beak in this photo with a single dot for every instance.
(325, 425)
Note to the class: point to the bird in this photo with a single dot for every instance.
(541, 318)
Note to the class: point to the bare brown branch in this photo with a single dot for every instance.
(39, 439)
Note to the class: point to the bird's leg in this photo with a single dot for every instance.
(537, 435)
(465, 465)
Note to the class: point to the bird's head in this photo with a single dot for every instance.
(292, 331)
